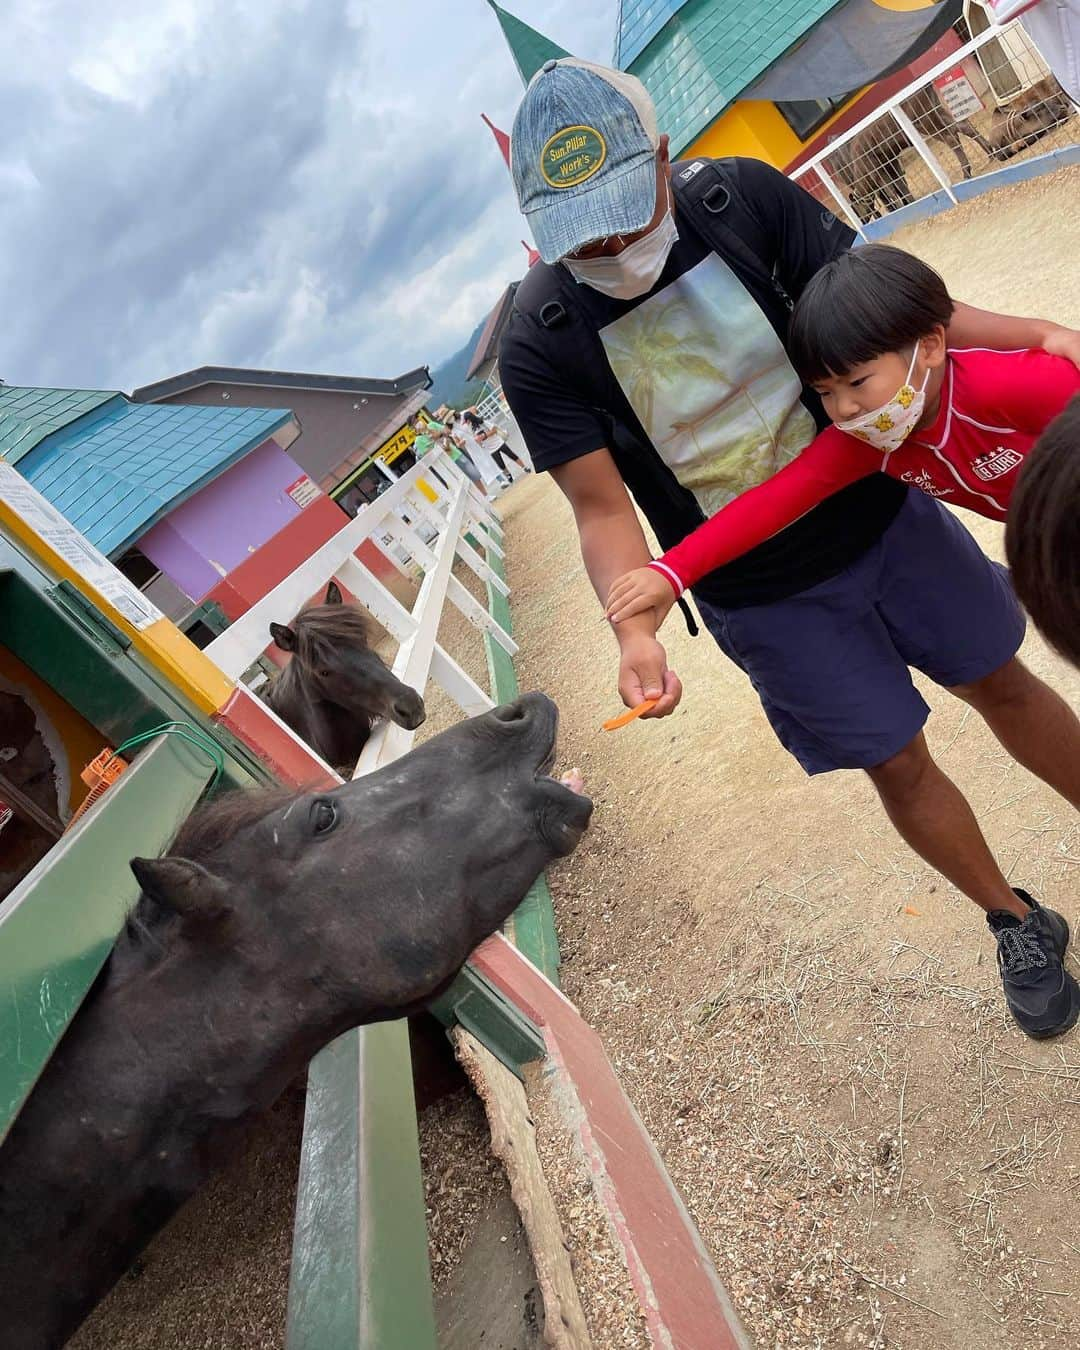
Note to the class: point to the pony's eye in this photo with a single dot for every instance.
(324, 674)
(324, 815)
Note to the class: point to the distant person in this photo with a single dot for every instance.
(494, 442)
(475, 449)
(432, 433)
(1042, 537)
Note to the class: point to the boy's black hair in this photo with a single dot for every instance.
(867, 302)
(1042, 533)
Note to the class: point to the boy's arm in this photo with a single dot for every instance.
(971, 327)
(830, 462)
(1028, 391)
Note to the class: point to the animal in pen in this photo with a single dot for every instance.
(870, 165)
(1034, 112)
(275, 922)
(335, 687)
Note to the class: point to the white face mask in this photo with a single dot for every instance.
(888, 427)
(635, 270)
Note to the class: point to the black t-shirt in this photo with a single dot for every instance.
(690, 387)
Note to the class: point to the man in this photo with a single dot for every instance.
(646, 352)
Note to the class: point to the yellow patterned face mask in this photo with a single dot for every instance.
(888, 427)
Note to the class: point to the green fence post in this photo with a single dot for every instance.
(360, 1278)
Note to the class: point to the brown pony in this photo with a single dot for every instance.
(335, 686)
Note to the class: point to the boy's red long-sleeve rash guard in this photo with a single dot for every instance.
(994, 406)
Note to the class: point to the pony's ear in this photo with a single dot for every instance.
(283, 636)
(333, 594)
(184, 887)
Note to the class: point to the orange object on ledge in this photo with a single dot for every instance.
(99, 775)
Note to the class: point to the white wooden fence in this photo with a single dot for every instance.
(991, 103)
(390, 523)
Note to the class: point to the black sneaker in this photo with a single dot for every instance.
(1043, 997)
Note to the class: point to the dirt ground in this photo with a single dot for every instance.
(807, 1017)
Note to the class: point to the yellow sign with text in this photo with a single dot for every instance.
(396, 446)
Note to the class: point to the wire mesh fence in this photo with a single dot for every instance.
(994, 103)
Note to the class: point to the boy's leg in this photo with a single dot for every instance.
(1035, 725)
(933, 816)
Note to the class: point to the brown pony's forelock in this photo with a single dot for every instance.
(328, 625)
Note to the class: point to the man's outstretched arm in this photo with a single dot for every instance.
(612, 542)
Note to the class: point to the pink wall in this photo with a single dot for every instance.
(226, 522)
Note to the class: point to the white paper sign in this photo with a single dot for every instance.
(76, 550)
(303, 491)
(958, 95)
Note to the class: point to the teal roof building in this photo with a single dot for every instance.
(114, 468)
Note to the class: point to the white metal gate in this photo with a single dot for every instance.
(990, 104)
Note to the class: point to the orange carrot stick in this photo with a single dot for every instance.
(625, 718)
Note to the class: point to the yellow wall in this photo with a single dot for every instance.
(754, 127)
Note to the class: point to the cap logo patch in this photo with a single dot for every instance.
(571, 156)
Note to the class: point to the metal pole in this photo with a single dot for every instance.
(907, 126)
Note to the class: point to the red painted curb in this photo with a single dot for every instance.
(249, 721)
(685, 1305)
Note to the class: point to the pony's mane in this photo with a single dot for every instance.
(212, 825)
(321, 626)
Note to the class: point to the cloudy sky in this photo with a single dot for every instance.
(300, 184)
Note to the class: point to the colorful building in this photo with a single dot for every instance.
(770, 79)
(345, 419)
(188, 501)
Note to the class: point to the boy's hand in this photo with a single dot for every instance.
(637, 592)
(1063, 342)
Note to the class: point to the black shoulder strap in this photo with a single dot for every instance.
(540, 295)
(707, 189)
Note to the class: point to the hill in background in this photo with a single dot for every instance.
(450, 385)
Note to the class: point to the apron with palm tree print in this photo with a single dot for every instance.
(710, 382)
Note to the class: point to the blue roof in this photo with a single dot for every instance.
(701, 56)
(117, 469)
(638, 23)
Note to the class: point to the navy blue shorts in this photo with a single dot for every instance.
(831, 665)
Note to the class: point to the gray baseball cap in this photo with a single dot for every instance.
(583, 155)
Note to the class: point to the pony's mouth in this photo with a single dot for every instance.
(566, 810)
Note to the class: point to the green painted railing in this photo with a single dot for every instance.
(59, 924)
(532, 927)
(360, 1275)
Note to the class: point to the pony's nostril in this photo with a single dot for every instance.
(510, 712)
(409, 712)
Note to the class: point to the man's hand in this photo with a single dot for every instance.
(612, 543)
(638, 592)
(1063, 342)
(643, 673)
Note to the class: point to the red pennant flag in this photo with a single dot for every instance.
(501, 138)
